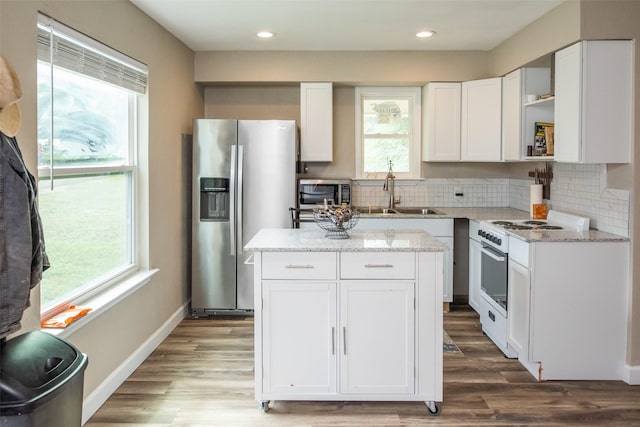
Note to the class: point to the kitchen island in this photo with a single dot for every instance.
(348, 319)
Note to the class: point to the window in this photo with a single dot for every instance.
(87, 97)
(387, 130)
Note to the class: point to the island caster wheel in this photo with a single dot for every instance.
(433, 407)
(264, 405)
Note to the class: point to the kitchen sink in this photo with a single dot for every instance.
(398, 211)
(421, 211)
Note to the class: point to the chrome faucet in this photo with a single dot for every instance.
(389, 186)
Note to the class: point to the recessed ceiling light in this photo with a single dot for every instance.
(425, 34)
(266, 34)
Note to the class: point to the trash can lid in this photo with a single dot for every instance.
(34, 363)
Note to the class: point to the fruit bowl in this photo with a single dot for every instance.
(336, 220)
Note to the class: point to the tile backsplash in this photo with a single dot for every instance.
(577, 189)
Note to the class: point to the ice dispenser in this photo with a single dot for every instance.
(214, 199)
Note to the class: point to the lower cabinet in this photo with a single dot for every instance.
(299, 337)
(564, 308)
(518, 303)
(348, 326)
(377, 337)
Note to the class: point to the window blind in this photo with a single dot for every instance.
(77, 52)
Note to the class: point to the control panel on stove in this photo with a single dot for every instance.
(490, 237)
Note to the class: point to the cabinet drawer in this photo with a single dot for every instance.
(377, 265)
(299, 265)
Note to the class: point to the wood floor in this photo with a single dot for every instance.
(202, 375)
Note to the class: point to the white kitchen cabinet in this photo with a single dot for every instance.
(367, 365)
(316, 122)
(520, 115)
(518, 303)
(442, 228)
(307, 312)
(481, 119)
(594, 102)
(441, 122)
(566, 312)
(475, 256)
(373, 333)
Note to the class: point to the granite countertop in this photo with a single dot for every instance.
(284, 240)
(479, 214)
(531, 236)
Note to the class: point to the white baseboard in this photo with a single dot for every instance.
(631, 374)
(96, 399)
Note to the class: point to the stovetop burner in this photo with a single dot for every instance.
(526, 225)
(518, 227)
(502, 223)
(534, 222)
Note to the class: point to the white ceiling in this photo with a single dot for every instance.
(344, 24)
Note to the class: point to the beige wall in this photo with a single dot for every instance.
(558, 28)
(173, 101)
(342, 68)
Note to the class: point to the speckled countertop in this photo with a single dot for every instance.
(484, 214)
(479, 214)
(533, 236)
(284, 240)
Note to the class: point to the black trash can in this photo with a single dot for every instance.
(41, 379)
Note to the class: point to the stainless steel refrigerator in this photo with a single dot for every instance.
(244, 178)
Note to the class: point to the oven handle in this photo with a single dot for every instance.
(492, 254)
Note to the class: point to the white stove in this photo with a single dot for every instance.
(494, 232)
(494, 259)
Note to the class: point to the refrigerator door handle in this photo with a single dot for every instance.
(240, 177)
(232, 196)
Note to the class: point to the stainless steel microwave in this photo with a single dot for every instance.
(313, 192)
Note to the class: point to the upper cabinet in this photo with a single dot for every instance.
(481, 120)
(522, 108)
(593, 102)
(441, 122)
(316, 122)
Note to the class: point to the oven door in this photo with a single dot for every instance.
(494, 278)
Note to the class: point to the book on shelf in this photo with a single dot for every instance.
(543, 142)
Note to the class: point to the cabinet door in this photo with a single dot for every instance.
(441, 135)
(568, 104)
(316, 122)
(377, 337)
(299, 332)
(481, 120)
(518, 303)
(594, 102)
(474, 274)
(512, 115)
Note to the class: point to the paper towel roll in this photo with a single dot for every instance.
(535, 196)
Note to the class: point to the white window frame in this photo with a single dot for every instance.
(414, 94)
(132, 75)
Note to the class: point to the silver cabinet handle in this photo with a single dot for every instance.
(344, 340)
(333, 340)
(299, 266)
(378, 266)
